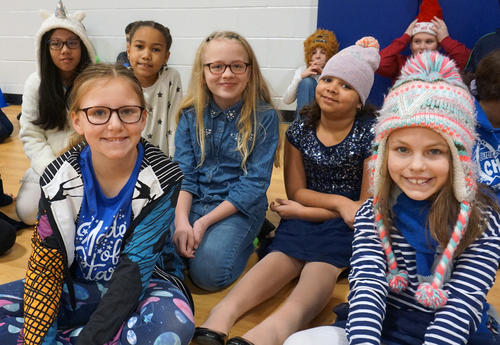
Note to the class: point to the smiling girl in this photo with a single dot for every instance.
(426, 248)
(225, 145)
(104, 224)
(63, 49)
(427, 32)
(148, 53)
(325, 180)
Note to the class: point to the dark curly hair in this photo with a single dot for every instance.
(312, 113)
(163, 29)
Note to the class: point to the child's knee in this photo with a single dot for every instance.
(28, 198)
(307, 84)
(26, 208)
(210, 275)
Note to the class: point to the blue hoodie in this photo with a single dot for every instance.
(487, 152)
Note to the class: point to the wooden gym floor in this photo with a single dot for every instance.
(13, 164)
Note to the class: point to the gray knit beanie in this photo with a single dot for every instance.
(356, 65)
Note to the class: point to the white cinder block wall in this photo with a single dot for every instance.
(276, 30)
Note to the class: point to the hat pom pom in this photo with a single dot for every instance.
(430, 67)
(431, 297)
(398, 282)
(368, 42)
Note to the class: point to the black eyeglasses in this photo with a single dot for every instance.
(100, 115)
(58, 44)
(235, 67)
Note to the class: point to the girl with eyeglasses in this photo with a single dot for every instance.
(63, 49)
(102, 268)
(325, 172)
(225, 145)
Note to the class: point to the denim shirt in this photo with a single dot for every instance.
(221, 177)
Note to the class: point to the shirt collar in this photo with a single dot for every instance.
(230, 113)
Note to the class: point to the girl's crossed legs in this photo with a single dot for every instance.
(163, 315)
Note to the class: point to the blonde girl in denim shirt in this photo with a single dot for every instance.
(225, 145)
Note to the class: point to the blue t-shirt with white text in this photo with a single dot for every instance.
(103, 222)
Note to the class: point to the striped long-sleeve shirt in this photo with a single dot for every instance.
(473, 274)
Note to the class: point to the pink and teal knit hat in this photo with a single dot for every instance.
(429, 93)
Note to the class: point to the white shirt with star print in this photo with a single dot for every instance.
(162, 102)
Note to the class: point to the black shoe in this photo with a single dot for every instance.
(7, 236)
(16, 224)
(206, 336)
(238, 341)
(4, 198)
(265, 229)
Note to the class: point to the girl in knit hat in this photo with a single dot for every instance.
(63, 49)
(319, 47)
(326, 180)
(427, 246)
(427, 32)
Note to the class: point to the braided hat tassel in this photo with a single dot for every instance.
(432, 295)
(398, 280)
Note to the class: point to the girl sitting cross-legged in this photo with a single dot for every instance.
(103, 230)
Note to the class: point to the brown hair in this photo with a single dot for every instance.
(149, 23)
(198, 94)
(444, 210)
(312, 112)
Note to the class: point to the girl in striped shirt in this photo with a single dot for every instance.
(426, 248)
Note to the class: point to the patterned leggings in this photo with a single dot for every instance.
(163, 317)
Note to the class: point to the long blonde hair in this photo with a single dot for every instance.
(198, 95)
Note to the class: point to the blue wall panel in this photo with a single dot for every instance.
(467, 21)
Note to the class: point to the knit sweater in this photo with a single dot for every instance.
(472, 276)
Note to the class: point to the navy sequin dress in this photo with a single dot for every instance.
(336, 169)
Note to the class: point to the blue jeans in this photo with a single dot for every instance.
(224, 250)
(305, 93)
(163, 316)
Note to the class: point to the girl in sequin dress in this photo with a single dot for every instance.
(325, 180)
